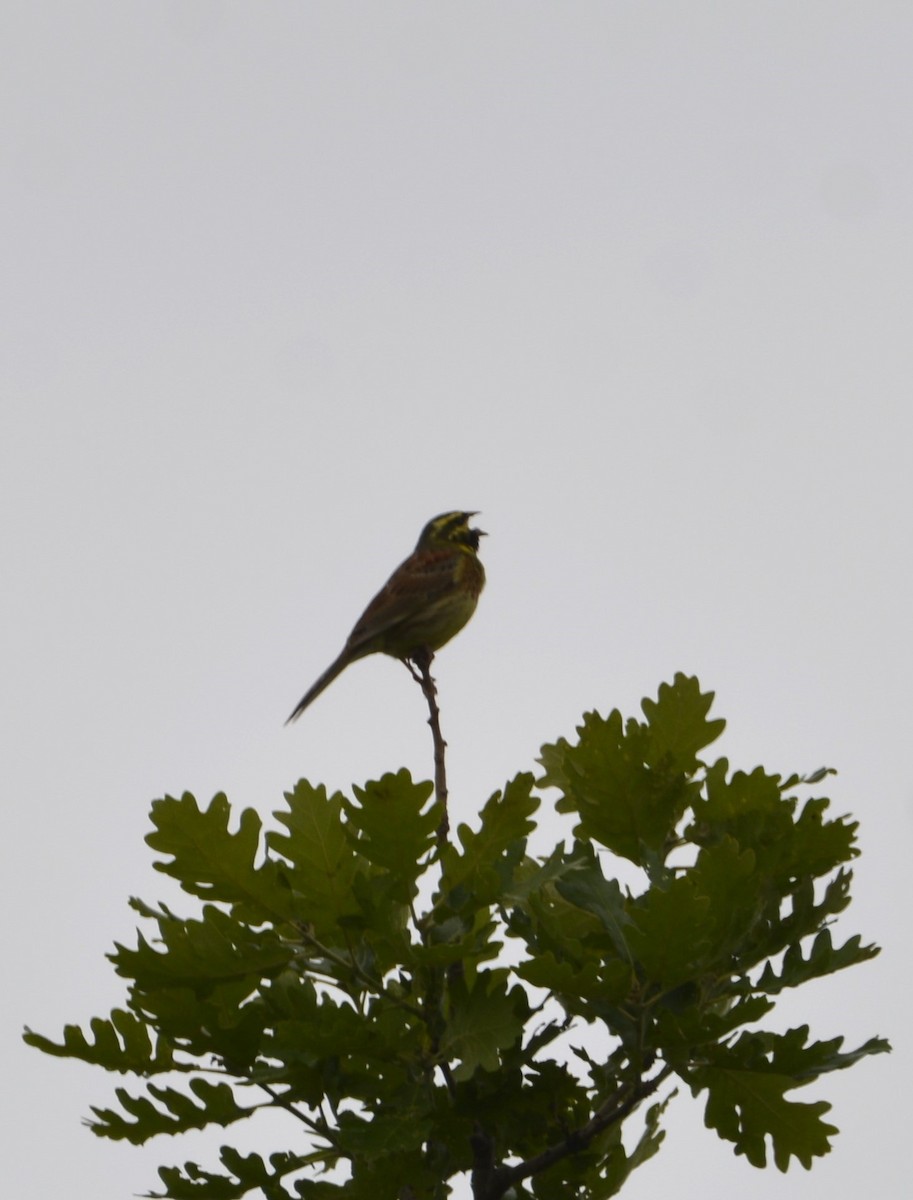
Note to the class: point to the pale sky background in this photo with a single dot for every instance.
(281, 281)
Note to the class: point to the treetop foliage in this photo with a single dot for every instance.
(422, 1008)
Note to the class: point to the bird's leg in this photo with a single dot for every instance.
(409, 664)
(418, 664)
(419, 667)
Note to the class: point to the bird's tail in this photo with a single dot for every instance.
(335, 668)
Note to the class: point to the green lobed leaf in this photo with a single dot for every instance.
(551, 923)
(630, 783)
(533, 875)
(572, 933)
(818, 846)
(808, 914)
(215, 864)
(379, 938)
(168, 1111)
(747, 1107)
(248, 1172)
(747, 1082)
(337, 1031)
(748, 807)
(726, 876)
(465, 938)
(670, 938)
(322, 862)
(752, 809)
(588, 889)
(220, 1021)
(608, 982)
(199, 954)
(121, 1043)
(482, 1021)
(490, 855)
(617, 1172)
(392, 831)
(678, 723)
(684, 1029)
(823, 959)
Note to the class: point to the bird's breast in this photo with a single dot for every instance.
(471, 574)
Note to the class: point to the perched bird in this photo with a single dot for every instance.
(426, 600)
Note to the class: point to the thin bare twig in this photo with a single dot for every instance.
(419, 666)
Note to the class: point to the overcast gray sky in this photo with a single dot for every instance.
(282, 281)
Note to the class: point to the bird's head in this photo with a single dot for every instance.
(449, 529)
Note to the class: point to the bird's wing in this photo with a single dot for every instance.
(415, 585)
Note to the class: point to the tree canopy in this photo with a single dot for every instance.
(424, 1008)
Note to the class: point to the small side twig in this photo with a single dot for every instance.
(358, 972)
(320, 1128)
(419, 667)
